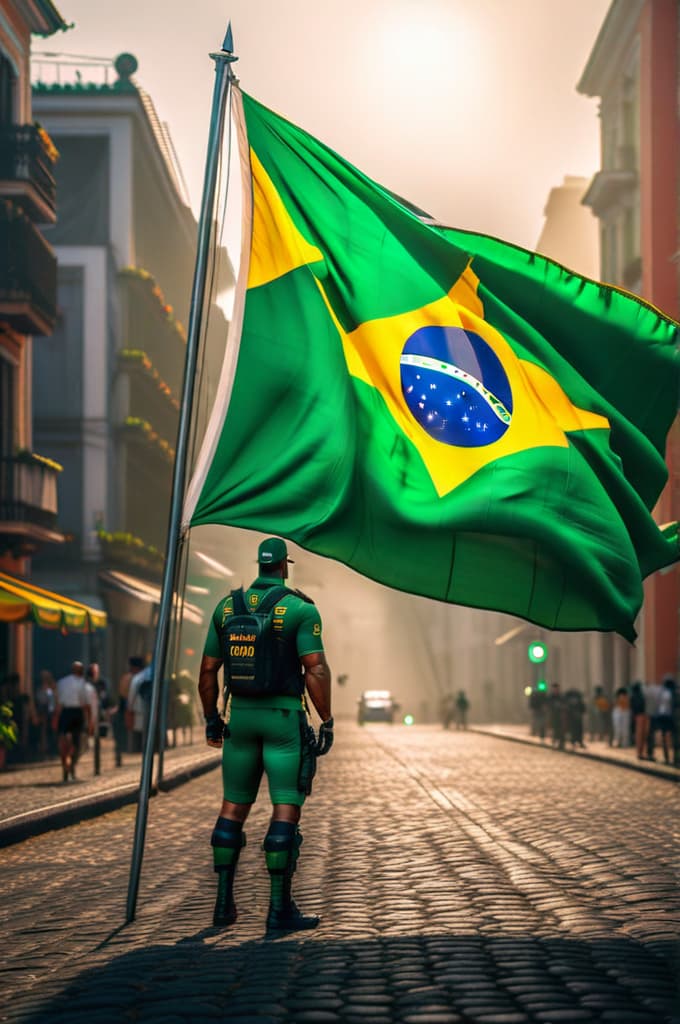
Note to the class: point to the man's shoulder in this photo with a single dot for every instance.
(290, 597)
(226, 602)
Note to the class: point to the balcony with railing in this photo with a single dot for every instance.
(149, 396)
(28, 501)
(149, 324)
(617, 179)
(27, 158)
(28, 274)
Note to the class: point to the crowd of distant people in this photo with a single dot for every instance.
(64, 717)
(643, 716)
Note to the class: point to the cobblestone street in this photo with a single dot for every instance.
(461, 878)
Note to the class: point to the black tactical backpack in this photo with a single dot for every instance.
(251, 660)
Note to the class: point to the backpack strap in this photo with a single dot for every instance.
(239, 602)
(271, 598)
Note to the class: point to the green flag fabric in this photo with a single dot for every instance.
(445, 413)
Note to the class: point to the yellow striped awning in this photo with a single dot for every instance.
(24, 602)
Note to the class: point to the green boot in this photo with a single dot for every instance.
(227, 841)
(281, 849)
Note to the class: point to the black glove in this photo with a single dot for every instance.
(325, 740)
(214, 728)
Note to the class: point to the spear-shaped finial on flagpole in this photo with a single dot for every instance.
(228, 44)
(223, 79)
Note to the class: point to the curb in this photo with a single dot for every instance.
(659, 773)
(71, 812)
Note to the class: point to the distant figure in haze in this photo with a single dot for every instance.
(557, 716)
(621, 718)
(447, 709)
(538, 707)
(70, 717)
(575, 709)
(462, 706)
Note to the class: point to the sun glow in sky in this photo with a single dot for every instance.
(469, 109)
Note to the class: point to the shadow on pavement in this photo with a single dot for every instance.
(414, 979)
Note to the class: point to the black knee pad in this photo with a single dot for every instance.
(282, 835)
(228, 834)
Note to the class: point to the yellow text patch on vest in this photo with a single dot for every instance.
(280, 609)
(242, 650)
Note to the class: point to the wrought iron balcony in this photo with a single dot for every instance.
(28, 500)
(28, 274)
(27, 158)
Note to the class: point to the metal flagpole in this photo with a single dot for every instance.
(223, 78)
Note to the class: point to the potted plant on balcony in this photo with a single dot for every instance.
(8, 731)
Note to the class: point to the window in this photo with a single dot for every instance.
(7, 90)
(7, 403)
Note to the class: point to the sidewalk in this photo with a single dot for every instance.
(595, 750)
(33, 798)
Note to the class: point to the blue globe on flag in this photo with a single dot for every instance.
(455, 386)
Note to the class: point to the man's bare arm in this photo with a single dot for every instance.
(318, 682)
(208, 684)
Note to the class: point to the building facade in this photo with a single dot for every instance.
(28, 310)
(633, 69)
(106, 395)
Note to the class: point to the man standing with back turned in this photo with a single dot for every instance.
(269, 640)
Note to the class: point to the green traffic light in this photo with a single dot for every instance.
(538, 652)
(541, 685)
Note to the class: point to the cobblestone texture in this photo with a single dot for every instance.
(461, 878)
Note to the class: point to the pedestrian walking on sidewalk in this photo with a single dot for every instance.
(123, 718)
(652, 693)
(138, 706)
(45, 706)
(603, 716)
(665, 718)
(621, 718)
(269, 641)
(71, 716)
(93, 712)
(640, 719)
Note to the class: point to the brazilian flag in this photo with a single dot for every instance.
(445, 413)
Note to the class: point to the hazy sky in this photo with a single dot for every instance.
(467, 107)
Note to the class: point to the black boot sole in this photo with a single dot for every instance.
(307, 924)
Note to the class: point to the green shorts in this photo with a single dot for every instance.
(264, 735)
